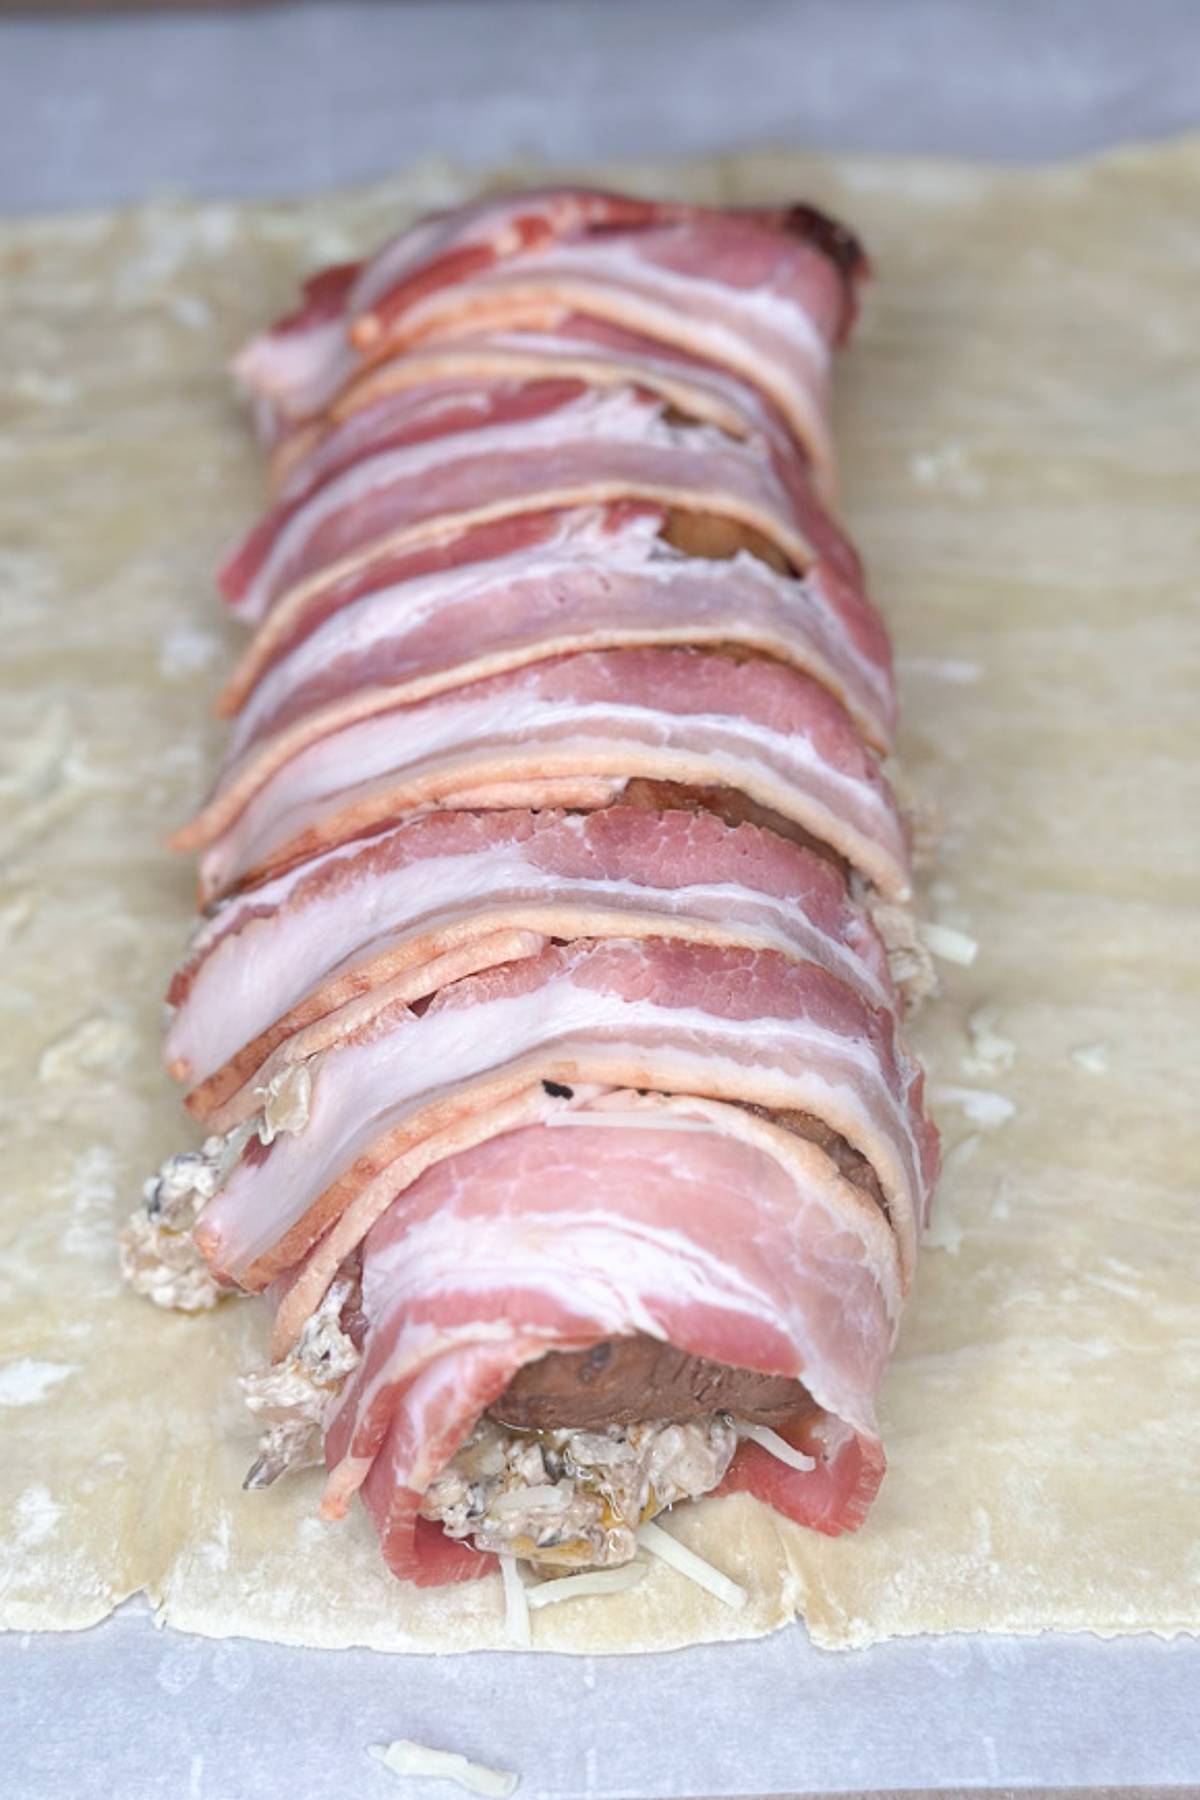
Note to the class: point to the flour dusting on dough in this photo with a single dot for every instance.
(992, 1052)
(185, 651)
(26, 1382)
(98, 1045)
(36, 1515)
(948, 466)
(90, 1191)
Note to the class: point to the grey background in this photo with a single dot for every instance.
(284, 99)
(100, 109)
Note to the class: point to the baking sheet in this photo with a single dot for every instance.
(1097, 596)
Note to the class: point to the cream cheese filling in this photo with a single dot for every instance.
(292, 1398)
(575, 1498)
(159, 1257)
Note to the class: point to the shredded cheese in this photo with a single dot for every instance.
(403, 1757)
(947, 944)
(980, 1105)
(550, 1499)
(649, 1121)
(578, 1587)
(774, 1445)
(685, 1562)
(991, 1051)
(944, 1231)
(960, 1154)
(516, 1604)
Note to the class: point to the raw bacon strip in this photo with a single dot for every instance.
(346, 1004)
(299, 613)
(601, 718)
(411, 415)
(436, 400)
(590, 449)
(597, 583)
(334, 940)
(730, 1243)
(301, 351)
(853, 1465)
(299, 1290)
(681, 1018)
(584, 351)
(762, 293)
(577, 349)
(446, 250)
(634, 287)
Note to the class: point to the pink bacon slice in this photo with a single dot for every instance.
(680, 1018)
(764, 293)
(533, 449)
(729, 1240)
(454, 547)
(589, 351)
(598, 582)
(408, 416)
(572, 732)
(337, 940)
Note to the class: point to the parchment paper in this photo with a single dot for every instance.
(1017, 423)
(157, 1715)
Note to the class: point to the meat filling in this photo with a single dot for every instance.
(717, 540)
(623, 1380)
(850, 1163)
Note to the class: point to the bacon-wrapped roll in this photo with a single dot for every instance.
(544, 1015)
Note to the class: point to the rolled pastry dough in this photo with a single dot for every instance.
(1018, 435)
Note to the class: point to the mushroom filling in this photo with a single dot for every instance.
(158, 1254)
(292, 1398)
(575, 1498)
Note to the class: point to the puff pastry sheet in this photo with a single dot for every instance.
(1017, 422)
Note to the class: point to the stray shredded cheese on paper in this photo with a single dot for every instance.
(403, 1757)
